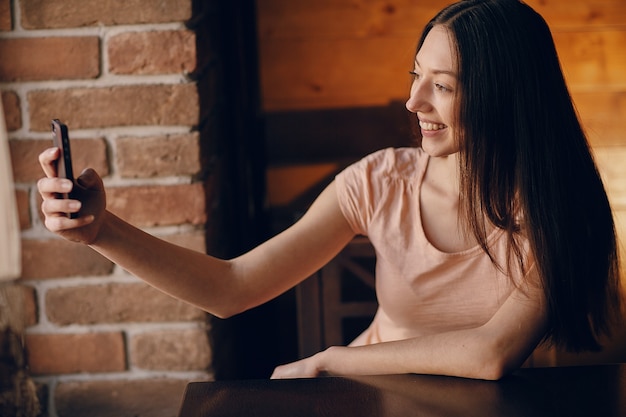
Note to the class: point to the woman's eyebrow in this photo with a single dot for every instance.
(438, 71)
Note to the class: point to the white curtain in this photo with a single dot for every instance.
(10, 243)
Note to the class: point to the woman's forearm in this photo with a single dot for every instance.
(457, 353)
(485, 352)
(227, 287)
(182, 273)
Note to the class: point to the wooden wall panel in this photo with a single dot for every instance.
(285, 184)
(574, 14)
(322, 73)
(346, 53)
(611, 162)
(334, 54)
(593, 60)
(603, 114)
(341, 19)
(401, 18)
(325, 73)
(620, 226)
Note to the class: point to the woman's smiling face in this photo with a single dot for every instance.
(434, 93)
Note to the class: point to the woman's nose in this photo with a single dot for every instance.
(410, 104)
(417, 99)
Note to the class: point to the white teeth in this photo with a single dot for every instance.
(431, 126)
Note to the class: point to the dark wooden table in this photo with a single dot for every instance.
(590, 391)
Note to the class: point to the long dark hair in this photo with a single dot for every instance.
(526, 164)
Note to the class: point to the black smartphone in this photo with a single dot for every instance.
(61, 140)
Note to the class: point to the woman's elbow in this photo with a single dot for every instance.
(496, 363)
(228, 308)
(224, 311)
(220, 314)
(494, 371)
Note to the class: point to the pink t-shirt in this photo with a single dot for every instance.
(421, 290)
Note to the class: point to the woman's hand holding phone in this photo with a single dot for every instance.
(73, 209)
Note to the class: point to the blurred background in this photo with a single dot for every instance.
(214, 124)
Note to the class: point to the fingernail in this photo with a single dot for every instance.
(75, 205)
(66, 185)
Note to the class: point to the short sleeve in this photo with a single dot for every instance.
(362, 187)
(354, 195)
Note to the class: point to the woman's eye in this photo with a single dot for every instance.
(414, 74)
(441, 88)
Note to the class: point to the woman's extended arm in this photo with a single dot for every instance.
(486, 352)
(221, 287)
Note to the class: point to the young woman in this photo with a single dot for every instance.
(491, 235)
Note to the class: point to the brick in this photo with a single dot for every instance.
(55, 258)
(123, 398)
(45, 14)
(19, 308)
(158, 156)
(155, 52)
(155, 104)
(23, 209)
(158, 205)
(116, 303)
(49, 58)
(12, 110)
(85, 153)
(171, 350)
(6, 21)
(30, 306)
(74, 353)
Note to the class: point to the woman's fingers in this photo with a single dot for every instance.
(60, 222)
(55, 210)
(56, 218)
(86, 199)
(54, 206)
(48, 161)
(49, 186)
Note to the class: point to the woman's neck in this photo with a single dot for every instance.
(443, 174)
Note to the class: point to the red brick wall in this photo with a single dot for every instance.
(116, 73)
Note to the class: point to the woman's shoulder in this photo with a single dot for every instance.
(402, 162)
(376, 181)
